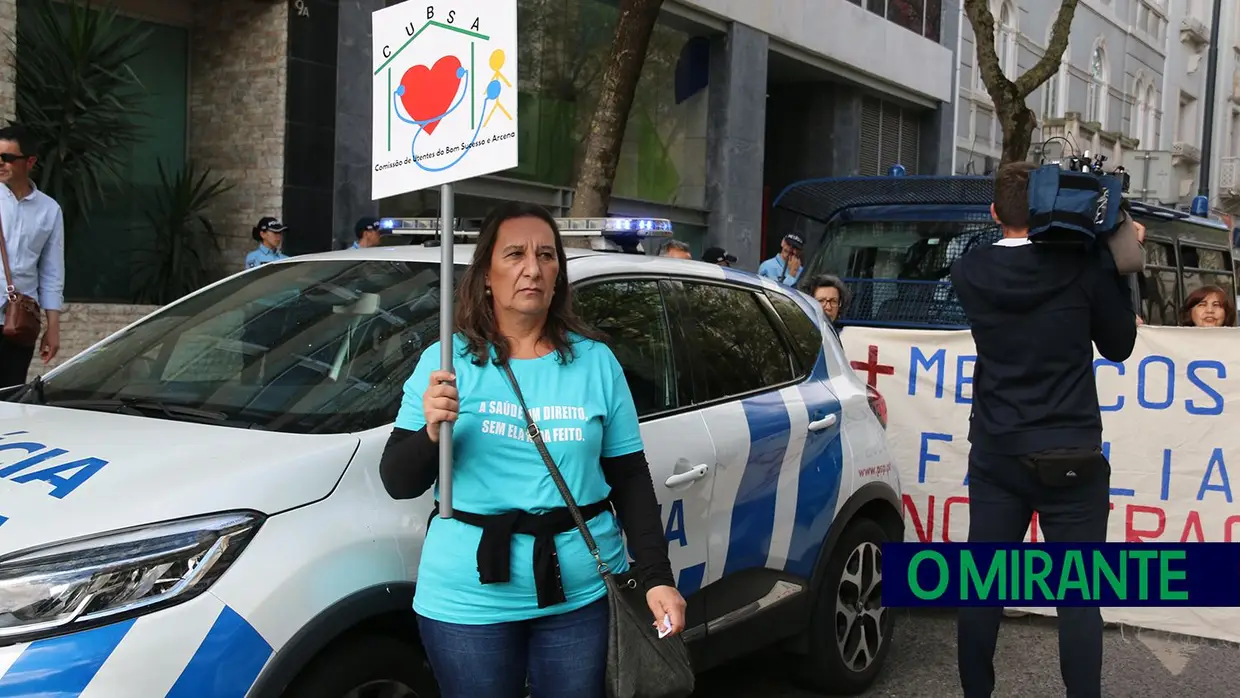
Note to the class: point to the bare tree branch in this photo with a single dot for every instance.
(983, 22)
(1015, 117)
(1049, 63)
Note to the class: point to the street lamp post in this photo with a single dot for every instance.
(1201, 204)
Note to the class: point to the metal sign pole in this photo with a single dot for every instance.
(447, 274)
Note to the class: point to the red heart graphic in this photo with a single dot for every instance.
(428, 92)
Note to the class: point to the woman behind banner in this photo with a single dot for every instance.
(507, 590)
(1208, 306)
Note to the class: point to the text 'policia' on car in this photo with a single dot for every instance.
(193, 505)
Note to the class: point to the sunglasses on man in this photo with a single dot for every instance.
(10, 158)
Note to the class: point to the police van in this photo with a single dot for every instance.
(192, 506)
(894, 239)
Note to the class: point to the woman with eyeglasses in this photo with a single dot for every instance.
(831, 294)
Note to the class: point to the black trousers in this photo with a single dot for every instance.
(1003, 494)
(14, 362)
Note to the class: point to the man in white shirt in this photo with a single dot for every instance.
(34, 236)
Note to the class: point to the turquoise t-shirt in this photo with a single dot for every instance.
(585, 412)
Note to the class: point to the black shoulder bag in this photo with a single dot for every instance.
(639, 664)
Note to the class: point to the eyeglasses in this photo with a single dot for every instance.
(10, 158)
(831, 302)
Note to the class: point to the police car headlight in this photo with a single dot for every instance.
(100, 579)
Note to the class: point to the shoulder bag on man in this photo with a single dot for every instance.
(21, 313)
(639, 663)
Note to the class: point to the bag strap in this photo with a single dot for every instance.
(4, 254)
(536, 436)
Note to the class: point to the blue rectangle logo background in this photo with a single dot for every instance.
(1076, 574)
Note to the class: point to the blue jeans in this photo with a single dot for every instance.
(563, 656)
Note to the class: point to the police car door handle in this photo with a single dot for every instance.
(824, 423)
(692, 474)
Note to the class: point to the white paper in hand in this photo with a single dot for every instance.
(667, 627)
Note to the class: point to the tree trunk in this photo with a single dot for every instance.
(619, 86)
(1018, 125)
(1017, 120)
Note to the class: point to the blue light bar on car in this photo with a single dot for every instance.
(413, 225)
(624, 228)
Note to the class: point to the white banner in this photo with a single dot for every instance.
(1169, 422)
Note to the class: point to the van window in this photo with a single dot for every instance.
(899, 274)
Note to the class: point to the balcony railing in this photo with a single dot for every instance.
(1229, 174)
(1181, 150)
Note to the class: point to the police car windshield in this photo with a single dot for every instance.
(302, 347)
(898, 274)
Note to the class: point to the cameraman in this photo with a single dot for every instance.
(1035, 433)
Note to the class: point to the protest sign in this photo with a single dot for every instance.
(1169, 429)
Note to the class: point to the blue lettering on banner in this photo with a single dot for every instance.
(64, 477)
(1142, 369)
(1216, 460)
(3, 519)
(926, 456)
(937, 359)
(1166, 475)
(1217, 407)
(962, 380)
(1119, 399)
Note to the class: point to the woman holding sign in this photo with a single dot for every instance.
(508, 590)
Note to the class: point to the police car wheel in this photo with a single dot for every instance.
(851, 631)
(363, 667)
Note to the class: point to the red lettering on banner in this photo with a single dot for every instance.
(872, 368)
(924, 534)
(1132, 534)
(1228, 527)
(1194, 523)
(1142, 523)
(947, 515)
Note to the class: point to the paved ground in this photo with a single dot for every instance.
(1138, 663)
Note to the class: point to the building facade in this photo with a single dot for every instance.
(737, 100)
(1225, 158)
(1107, 96)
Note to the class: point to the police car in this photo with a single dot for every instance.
(192, 507)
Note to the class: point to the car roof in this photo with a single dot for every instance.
(583, 264)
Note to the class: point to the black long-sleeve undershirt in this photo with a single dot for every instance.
(410, 466)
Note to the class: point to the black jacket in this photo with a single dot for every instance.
(1036, 311)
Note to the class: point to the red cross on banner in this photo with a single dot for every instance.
(872, 368)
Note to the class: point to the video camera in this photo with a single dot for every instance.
(1074, 199)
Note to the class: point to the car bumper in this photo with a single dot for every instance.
(199, 648)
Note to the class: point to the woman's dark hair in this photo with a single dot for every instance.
(1229, 305)
(475, 314)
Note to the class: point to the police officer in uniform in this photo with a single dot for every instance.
(367, 232)
(269, 234)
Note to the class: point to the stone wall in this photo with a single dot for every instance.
(238, 80)
(83, 324)
(8, 75)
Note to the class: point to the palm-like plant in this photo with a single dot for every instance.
(183, 241)
(78, 97)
